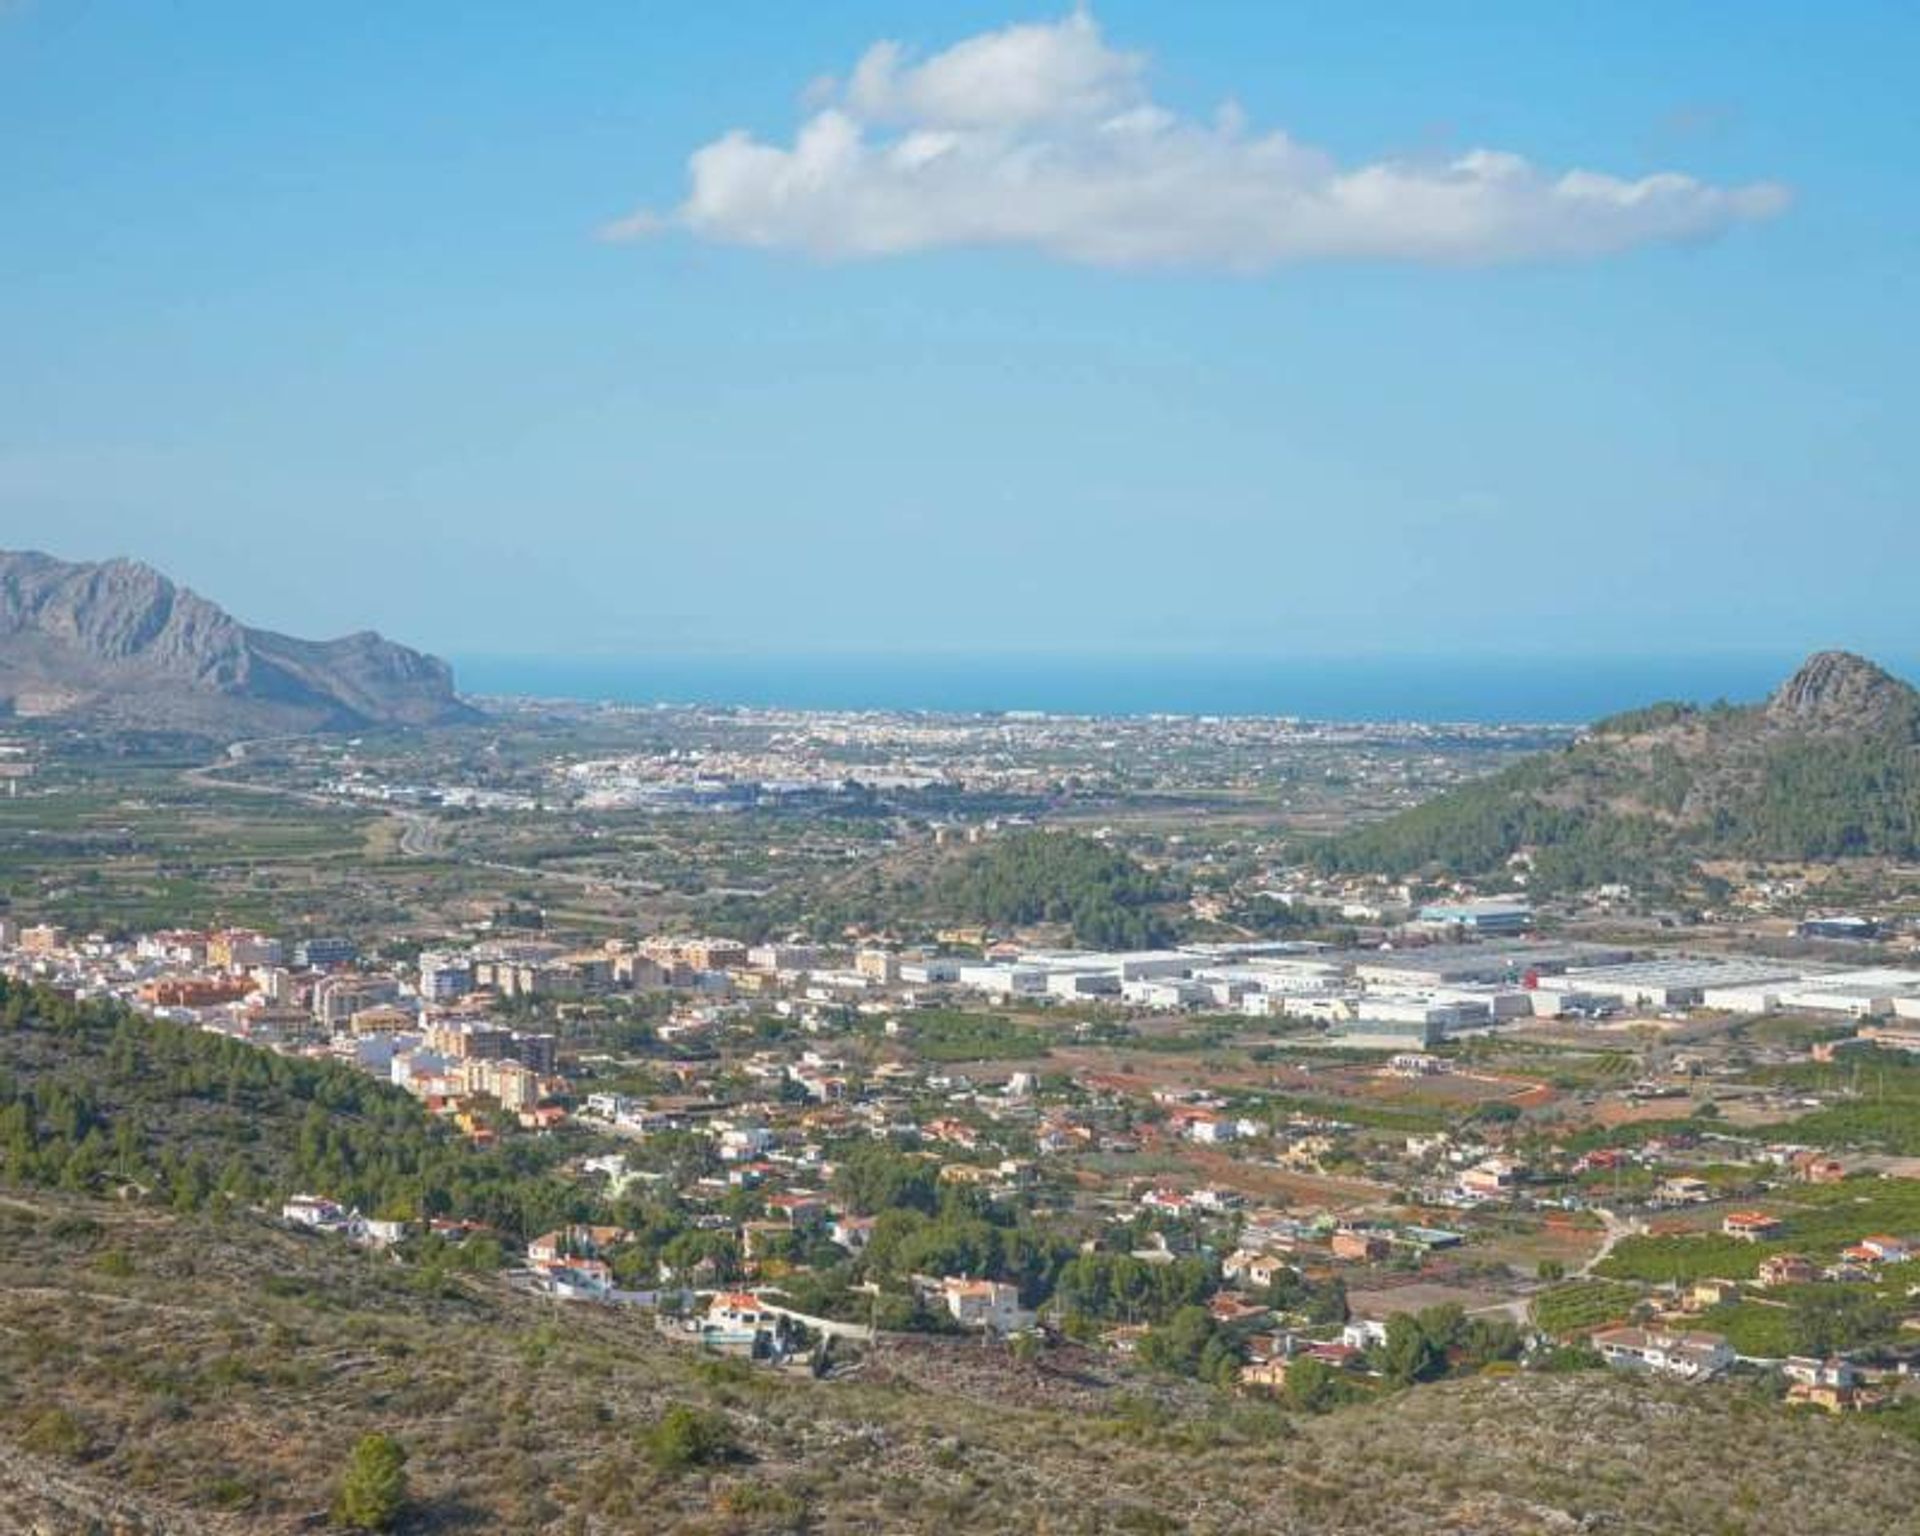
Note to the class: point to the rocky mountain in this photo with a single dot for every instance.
(1837, 692)
(119, 643)
(1827, 767)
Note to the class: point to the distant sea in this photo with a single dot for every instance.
(1477, 689)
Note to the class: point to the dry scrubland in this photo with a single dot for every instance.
(162, 1374)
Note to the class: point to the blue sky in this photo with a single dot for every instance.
(318, 309)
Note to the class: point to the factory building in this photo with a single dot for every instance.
(1862, 994)
(1448, 965)
(1681, 982)
(1495, 915)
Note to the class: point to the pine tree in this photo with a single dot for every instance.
(374, 1490)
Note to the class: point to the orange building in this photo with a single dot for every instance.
(193, 991)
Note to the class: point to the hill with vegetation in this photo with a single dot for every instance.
(172, 1360)
(98, 1100)
(1828, 767)
(164, 1373)
(1105, 896)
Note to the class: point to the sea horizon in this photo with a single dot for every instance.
(1464, 689)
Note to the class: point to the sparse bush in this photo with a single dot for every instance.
(684, 1438)
(766, 1502)
(230, 1493)
(76, 1231)
(55, 1432)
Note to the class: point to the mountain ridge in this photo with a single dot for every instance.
(120, 643)
(1827, 766)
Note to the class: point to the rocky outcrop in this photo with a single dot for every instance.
(120, 643)
(1838, 691)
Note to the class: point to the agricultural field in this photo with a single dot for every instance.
(1580, 1306)
(128, 847)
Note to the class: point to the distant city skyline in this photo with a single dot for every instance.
(1001, 330)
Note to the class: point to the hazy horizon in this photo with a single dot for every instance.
(1425, 687)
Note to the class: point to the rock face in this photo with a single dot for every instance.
(120, 643)
(1838, 691)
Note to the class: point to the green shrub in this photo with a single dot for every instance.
(374, 1489)
(683, 1438)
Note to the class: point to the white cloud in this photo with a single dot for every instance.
(1044, 137)
(1051, 73)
